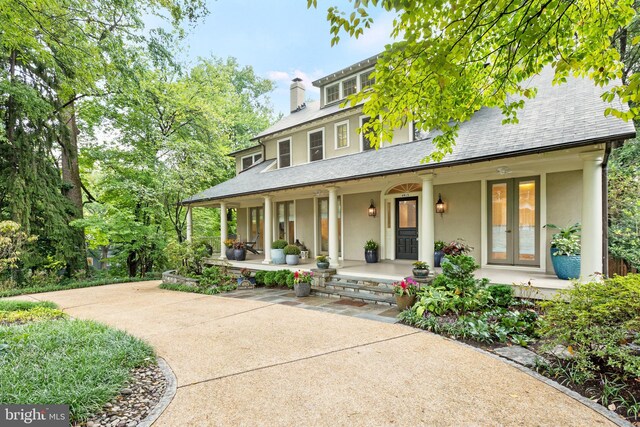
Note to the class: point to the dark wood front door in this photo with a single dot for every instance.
(407, 228)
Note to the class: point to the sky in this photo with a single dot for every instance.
(282, 39)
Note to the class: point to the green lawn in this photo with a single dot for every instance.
(80, 363)
(69, 285)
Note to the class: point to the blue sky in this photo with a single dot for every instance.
(282, 40)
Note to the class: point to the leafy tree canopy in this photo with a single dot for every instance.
(451, 58)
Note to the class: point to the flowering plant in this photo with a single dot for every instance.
(228, 243)
(405, 287)
(322, 258)
(238, 245)
(457, 247)
(302, 277)
(245, 272)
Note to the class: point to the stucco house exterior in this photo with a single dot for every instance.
(312, 177)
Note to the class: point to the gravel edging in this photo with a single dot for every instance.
(167, 397)
(610, 415)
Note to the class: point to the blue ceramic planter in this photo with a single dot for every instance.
(566, 266)
(277, 256)
(437, 258)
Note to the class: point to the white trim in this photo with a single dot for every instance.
(352, 77)
(248, 223)
(484, 243)
(326, 98)
(543, 221)
(339, 82)
(253, 160)
(383, 237)
(335, 134)
(341, 222)
(361, 135)
(290, 152)
(295, 221)
(316, 246)
(324, 154)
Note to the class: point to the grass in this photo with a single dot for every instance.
(69, 285)
(80, 363)
(212, 290)
(15, 312)
(15, 305)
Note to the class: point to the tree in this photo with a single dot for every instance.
(453, 57)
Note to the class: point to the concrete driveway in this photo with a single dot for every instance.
(245, 362)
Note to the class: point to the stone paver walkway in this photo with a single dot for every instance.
(240, 361)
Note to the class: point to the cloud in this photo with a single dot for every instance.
(278, 75)
(283, 78)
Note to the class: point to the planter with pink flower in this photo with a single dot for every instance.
(405, 292)
(302, 283)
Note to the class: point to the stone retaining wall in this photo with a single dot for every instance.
(171, 277)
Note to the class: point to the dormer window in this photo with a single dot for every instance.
(367, 79)
(333, 93)
(349, 86)
(250, 160)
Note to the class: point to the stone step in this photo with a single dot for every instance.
(360, 279)
(356, 296)
(355, 288)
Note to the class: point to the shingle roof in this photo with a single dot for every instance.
(571, 114)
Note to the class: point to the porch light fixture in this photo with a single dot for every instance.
(440, 205)
(372, 209)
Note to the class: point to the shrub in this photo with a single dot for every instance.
(260, 277)
(291, 279)
(502, 295)
(30, 315)
(206, 290)
(279, 244)
(214, 276)
(370, 245)
(291, 250)
(438, 245)
(457, 275)
(270, 278)
(186, 257)
(457, 247)
(566, 241)
(281, 277)
(596, 321)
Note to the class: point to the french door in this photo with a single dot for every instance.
(256, 226)
(513, 221)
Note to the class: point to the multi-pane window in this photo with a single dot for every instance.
(366, 79)
(349, 86)
(316, 142)
(251, 160)
(342, 135)
(284, 153)
(333, 93)
(366, 144)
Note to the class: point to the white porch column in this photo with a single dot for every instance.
(426, 221)
(189, 225)
(268, 228)
(223, 229)
(334, 250)
(591, 242)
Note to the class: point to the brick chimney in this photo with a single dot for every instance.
(297, 94)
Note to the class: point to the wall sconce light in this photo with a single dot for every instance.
(372, 209)
(440, 205)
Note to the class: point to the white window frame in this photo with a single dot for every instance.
(367, 72)
(361, 135)
(326, 90)
(253, 160)
(290, 151)
(343, 81)
(335, 135)
(324, 152)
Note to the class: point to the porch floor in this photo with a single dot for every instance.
(542, 285)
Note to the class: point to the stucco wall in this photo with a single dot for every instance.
(304, 223)
(564, 204)
(358, 225)
(462, 216)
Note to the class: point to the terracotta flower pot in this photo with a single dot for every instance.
(405, 302)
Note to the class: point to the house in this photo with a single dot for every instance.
(312, 177)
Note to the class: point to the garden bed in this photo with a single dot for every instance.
(73, 284)
(50, 358)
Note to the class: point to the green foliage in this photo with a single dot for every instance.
(624, 205)
(70, 284)
(279, 244)
(30, 314)
(370, 245)
(451, 58)
(215, 276)
(596, 320)
(291, 250)
(282, 276)
(80, 363)
(206, 290)
(457, 247)
(15, 305)
(270, 279)
(260, 277)
(291, 280)
(439, 245)
(187, 258)
(566, 241)
(457, 275)
(501, 295)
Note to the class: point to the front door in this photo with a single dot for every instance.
(407, 228)
(513, 221)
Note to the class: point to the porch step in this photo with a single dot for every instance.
(352, 287)
(366, 281)
(357, 296)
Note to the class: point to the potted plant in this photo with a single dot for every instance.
(405, 293)
(302, 283)
(292, 254)
(322, 262)
(245, 274)
(420, 269)
(239, 252)
(438, 252)
(457, 247)
(371, 251)
(229, 251)
(565, 251)
(277, 251)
